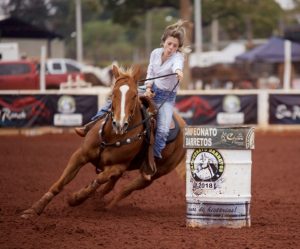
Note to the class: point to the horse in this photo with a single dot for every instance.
(115, 145)
(98, 76)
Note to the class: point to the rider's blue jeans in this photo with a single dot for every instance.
(103, 110)
(165, 101)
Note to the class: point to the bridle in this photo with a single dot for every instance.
(138, 136)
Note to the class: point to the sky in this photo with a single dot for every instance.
(286, 4)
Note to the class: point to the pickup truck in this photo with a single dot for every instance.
(24, 74)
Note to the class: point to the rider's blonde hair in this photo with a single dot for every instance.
(176, 30)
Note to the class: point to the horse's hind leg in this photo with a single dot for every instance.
(108, 177)
(76, 161)
(137, 184)
(106, 188)
(140, 183)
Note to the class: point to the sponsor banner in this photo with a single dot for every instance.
(218, 109)
(284, 109)
(219, 137)
(215, 210)
(68, 119)
(46, 110)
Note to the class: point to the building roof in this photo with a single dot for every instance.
(12, 27)
(225, 56)
(293, 33)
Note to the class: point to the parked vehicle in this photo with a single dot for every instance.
(18, 75)
(24, 74)
(95, 75)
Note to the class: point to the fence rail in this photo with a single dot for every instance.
(266, 109)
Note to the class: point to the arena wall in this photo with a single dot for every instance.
(263, 104)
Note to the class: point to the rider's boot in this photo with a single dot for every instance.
(149, 168)
(148, 171)
(82, 131)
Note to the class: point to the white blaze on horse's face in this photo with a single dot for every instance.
(120, 123)
(123, 89)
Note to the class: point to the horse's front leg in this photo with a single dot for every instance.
(109, 177)
(76, 161)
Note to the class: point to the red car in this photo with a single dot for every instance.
(24, 74)
(18, 75)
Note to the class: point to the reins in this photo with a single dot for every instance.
(158, 77)
(150, 116)
(163, 76)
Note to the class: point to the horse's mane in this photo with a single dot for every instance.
(126, 72)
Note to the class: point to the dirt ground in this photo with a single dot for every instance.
(153, 218)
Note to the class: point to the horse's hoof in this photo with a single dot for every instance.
(29, 214)
(147, 177)
(109, 206)
(74, 201)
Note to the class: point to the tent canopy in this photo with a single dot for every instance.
(272, 51)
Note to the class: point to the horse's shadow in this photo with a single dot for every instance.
(96, 208)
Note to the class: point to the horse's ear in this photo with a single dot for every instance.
(115, 71)
(136, 72)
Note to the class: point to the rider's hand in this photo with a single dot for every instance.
(179, 74)
(149, 93)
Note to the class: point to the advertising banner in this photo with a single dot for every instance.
(46, 110)
(284, 109)
(218, 109)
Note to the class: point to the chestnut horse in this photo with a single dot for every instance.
(114, 145)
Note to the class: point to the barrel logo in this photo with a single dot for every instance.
(207, 165)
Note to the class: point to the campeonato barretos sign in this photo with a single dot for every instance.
(219, 138)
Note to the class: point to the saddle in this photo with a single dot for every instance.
(149, 111)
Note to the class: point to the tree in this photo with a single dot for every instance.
(126, 11)
(35, 12)
(63, 19)
(185, 14)
(238, 19)
(106, 42)
(129, 12)
(243, 19)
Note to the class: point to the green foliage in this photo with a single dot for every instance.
(126, 11)
(234, 16)
(106, 42)
(35, 12)
(117, 29)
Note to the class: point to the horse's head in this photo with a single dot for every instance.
(124, 97)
